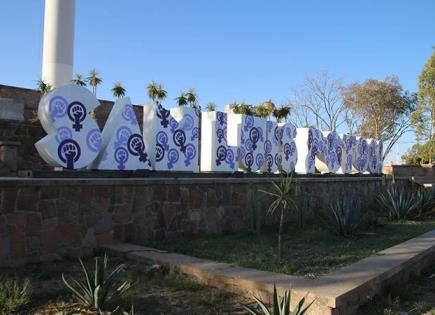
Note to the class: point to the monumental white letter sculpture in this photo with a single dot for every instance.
(374, 156)
(73, 139)
(289, 150)
(216, 154)
(348, 143)
(329, 161)
(248, 134)
(360, 157)
(171, 137)
(310, 143)
(123, 147)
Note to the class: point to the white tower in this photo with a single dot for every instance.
(58, 51)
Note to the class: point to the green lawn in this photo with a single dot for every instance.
(310, 251)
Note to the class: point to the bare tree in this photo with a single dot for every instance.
(319, 102)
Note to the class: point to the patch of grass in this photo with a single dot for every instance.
(309, 251)
(14, 295)
(152, 293)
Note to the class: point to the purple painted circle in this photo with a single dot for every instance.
(69, 152)
(57, 107)
(63, 133)
(94, 139)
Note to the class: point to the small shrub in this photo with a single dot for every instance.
(281, 306)
(96, 288)
(14, 295)
(345, 217)
(398, 202)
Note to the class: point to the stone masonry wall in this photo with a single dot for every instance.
(43, 219)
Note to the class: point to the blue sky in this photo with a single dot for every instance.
(227, 50)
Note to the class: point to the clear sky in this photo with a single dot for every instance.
(227, 50)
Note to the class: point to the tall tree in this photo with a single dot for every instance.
(79, 80)
(94, 80)
(382, 108)
(156, 92)
(423, 118)
(118, 90)
(319, 102)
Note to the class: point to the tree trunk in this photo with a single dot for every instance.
(281, 223)
(431, 135)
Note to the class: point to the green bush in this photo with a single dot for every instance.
(14, 295)
(345, 217)
(281, 306)
(398, 202)
(98, 287)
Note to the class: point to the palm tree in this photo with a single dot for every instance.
(156, 92)
(94, 80)
(118, 90)
(79, 80)
(192, 99)
(211, 107)
(282, 200)
(281, 113)
(182, 99)
(43, 87)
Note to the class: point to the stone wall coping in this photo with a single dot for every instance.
(29, 181)
(342, 289)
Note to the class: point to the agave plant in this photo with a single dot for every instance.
(95, 289)
(345, 217)
(281, 306)
(426, 201)
(398, 202)
(210, 107)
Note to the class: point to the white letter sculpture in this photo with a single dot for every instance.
(123, 147)
(216, 154)
(172, 137)
(73, 139)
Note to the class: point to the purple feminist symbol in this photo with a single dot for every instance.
(160, 152)
(190, 154)
(162, 139)
(230, 158)
(269, 161)
(220, 135)
(221, 154)
(121, 157)
(259, 160)
(129, 115)
(249, 123)
(172, 158)
(220, 118)
(248, 145)
(269, 126)
(187, 123)
(174, 124)
(163, 114)
(179, 138)
(69, 152)
(240, 153)
(136, 147)
(63, 133)
(76, 113)
(267, 146)
(287, 151)
(93, 140)
(195, 134)
(254, 135)
(57, 107)
(278, 159)
(278, 134)
(122, 135)
(260, 133)
(249, 160)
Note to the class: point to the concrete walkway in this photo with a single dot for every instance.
(337, 293)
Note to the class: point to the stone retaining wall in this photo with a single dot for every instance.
(41, 219)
